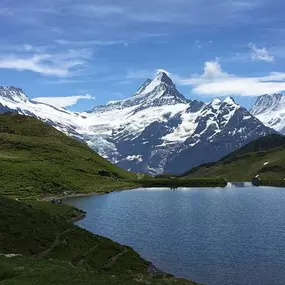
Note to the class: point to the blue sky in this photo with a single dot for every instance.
(104, 50)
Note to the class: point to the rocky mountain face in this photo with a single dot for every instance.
(270, 109)
(156, 130)
(233, 128)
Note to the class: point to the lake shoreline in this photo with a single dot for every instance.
(125, 188)
(151, 267)
(149, 183)
(78, 195)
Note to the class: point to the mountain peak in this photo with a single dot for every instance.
(163, 77)
(267, 103)
(160, 81)
(159, 91)
(270, 110)
(229, 100)
(13, 93)
(216, 101)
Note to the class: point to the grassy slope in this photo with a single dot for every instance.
(58, 252)
(248, 162)
(37, 160)
(63, 211)
(27, 271)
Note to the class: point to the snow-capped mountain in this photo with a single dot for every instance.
(224, 126)
(13, 99)
(270, 109)
(160, 91)
(155, 130)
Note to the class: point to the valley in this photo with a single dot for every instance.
(39, 162)
(142, 142)
(155, 131)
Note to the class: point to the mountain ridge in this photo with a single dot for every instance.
(156, 130)
(157, 92)
(262, 158)
(270, 109)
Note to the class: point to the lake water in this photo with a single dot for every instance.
(230, 236)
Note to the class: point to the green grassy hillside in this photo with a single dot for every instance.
(20, 270)
(37, 160)
(38, 242)
(264, 157)
(51, 250)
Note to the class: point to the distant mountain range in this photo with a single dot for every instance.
(156, 130)
(270, 109)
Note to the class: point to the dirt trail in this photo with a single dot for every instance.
(113, 259)
(46, 252)
(83, 260)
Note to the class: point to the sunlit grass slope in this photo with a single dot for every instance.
(37, 160)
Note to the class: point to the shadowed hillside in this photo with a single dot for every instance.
(264, 158)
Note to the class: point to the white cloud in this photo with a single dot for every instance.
(32, 64)
(63, 81)
(198, 44)
(162, 70)
(129, 40)
(95, 10)
(222, 12)
(212, 71)
(58, 64)
(89, 42)
(28, 47)
(240, 86)
(112, 19)
(260, 54)
(215, 82)
(135, 74)
(63, 102)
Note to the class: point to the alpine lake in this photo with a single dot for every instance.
(213, 236)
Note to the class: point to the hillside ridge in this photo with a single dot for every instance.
(263, 158)
(38, 160)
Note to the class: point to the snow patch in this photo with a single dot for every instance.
(134, 157)
(10, 255)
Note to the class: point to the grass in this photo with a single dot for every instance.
(54, 251)
(36, 160)
(264, 157)
(26, 230)
(63, 211)
(26, 271)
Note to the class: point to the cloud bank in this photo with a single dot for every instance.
(215, 82)
(63, 102)
(260, 54)
(63, 63)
